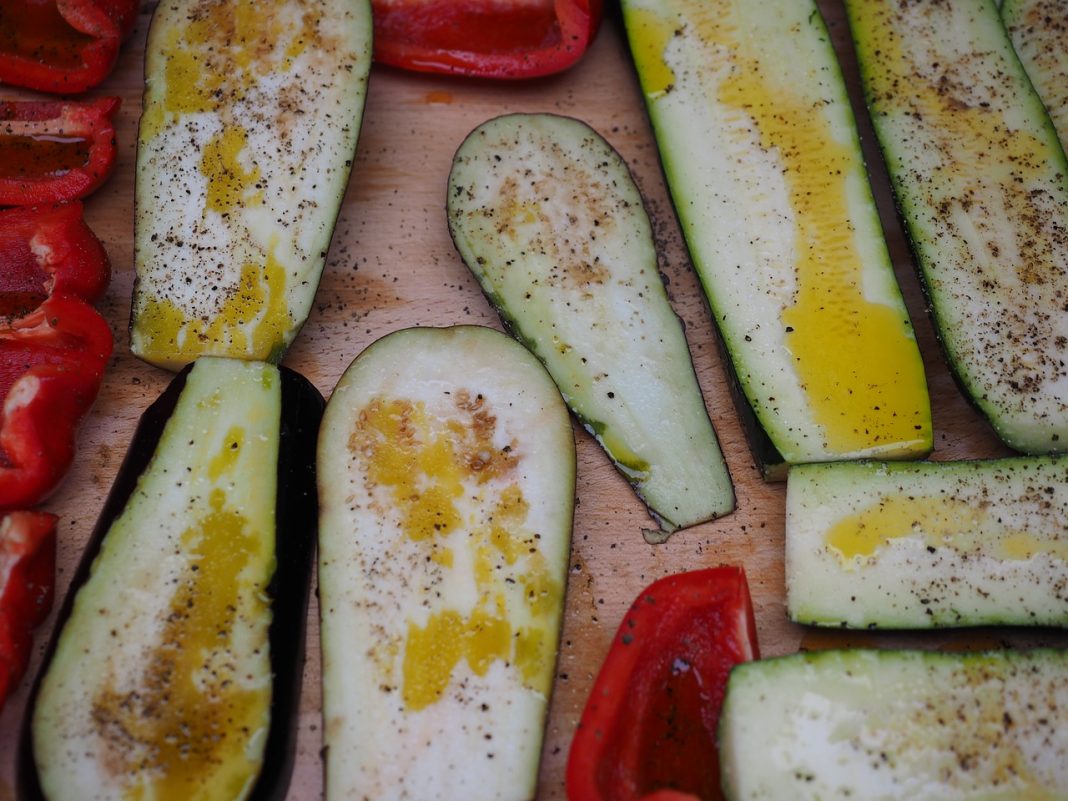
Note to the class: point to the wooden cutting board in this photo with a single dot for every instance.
(392, 265)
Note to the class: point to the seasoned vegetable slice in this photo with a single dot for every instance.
(447, 479)
(251, 115)
(982, 184)
(872, 545)
(782, 227)
(897, 726)
(547, 217)
(1039, 33)
(177, 667)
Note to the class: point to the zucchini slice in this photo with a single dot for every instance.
(782, 227)
(176, 670)
(251, 116)
(982, 185)
(447, 485)
(546, 215)
(897, 725)
(928, 544)
(1039, 33)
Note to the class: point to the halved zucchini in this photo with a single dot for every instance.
(251, 115)
(928, 544)
(447, 480)
(547, 217)
(1039, 33)
(982, 185)
(177, 665)
(761, 154)
(897, 726)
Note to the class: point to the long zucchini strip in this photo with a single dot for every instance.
(861, 725)
(928, 544)
(761, 154)
(251, 116)
(1039, 33)
(547, 217)
(982, 183)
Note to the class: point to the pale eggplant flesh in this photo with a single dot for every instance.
(204, 548)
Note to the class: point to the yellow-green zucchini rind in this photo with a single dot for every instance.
(546, 215)
(760, 150)
(177, 664)
(897, 726)
(249, 128)
(1039, 33)
(447, 480)
(928, 544)
(982, 184)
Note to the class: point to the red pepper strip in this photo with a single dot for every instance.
(51, 365)
(484, 38)
(48, 250)
(62, 46)
(27, 583)
(649, 727)
(52, 151)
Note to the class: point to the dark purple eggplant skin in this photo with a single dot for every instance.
(296, 515)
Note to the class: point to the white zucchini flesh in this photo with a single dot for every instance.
(547, 217)
(1039, 33)
(982, 184)
(143, 697)
(928, 544)
(781, 224)
(446, 468)
(897, 726)
(251, 116)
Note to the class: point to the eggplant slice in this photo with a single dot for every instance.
(447, 481)
(176, 666)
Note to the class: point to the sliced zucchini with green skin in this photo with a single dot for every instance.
(888, 725)
(929, 544)
(447, 469)
(781, 225)
(1039, 33)
(982, 184)
(251, 116)
(546, 215)
(175, 674)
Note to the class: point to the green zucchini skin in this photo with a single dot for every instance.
(981, 182)
(447, 481)
(300, 408)
(547, 217)
(928, 544)
(782, 227)
(859, 725)
(1039, 33)
(251, 117)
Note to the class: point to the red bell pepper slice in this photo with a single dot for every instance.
(484, 38)
(51, 365)
(649, 728)
(45, 251)
(53, 344)
(62, 46)
(52, 151)
(27, 585)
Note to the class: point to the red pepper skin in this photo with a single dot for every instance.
(46, 251)
(27, 585)
(31, 131)
(51, 365)
(62, 46)
(649, 727)
(484, 38)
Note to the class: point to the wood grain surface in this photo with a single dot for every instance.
(392, 265)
